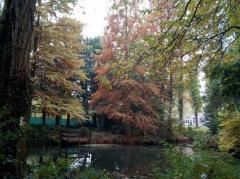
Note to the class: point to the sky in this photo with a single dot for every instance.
(92, 15)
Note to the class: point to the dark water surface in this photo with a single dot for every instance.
(130, 161)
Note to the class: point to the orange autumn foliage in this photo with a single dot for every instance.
(125, 92)
(129, 102)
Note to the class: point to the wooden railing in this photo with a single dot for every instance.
(72, 136)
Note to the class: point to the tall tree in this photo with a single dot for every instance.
(16, 28)
(180, 93)
(125, 95)
(92, 48)
(15, 34)
(56, 63)
(223, 104)
(195, 94)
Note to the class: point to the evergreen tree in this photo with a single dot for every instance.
(195, 94)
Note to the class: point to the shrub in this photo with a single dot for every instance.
(61, 169)
(91, 173)
(201, 164)
(202, 138)
(230, 132)
(42, 135)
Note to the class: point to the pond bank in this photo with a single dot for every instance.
(39, 136)
(108, 138)
(124, 161)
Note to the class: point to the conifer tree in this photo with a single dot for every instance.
(56, 61)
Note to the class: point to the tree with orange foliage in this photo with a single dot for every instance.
(125, 95)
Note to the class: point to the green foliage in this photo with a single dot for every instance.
(230, 132)
(61, 170)
(10, 133)
(54, 170)
(1, 10)
(42, 135)
(91, 173)
(195, 91)
(93, 47)
(200, 164)
(213, 103)
(5, 126)
(202, 138)
(229, 83)
(223, 92)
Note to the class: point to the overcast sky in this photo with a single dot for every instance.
(95, 12)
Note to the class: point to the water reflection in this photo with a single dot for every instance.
(127, 160)
(81, 161)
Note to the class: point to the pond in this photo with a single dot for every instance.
(128, 161)
(125, 162)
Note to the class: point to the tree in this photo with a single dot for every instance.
(56, 63)
(180, 94)
(230, 135)
(92, 48)
(195, 94)
(124, 95)
(197, 25)
(1, 8)
(213, 101)
(16, 28)
(223, 94)
(14, 88)
(224, 82)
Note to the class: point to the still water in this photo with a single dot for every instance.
(127, 161)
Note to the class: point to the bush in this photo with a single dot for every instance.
(92, 173)
(42, 135)
(230, 132)
(52, 170)
(202, 138)
(202, 164)
(61, 169)
(10, 135)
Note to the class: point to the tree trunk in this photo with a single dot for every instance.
(128, 129)
(196, 119)
(170, 106)
(15, 45)
(57, 118)
(44, 116)
(94, 120)
(180, 102)
(68, 119)
(180, 110)
(16, 27)
(36, 39)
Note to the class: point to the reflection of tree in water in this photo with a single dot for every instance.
(117, 159)
(130, 160)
